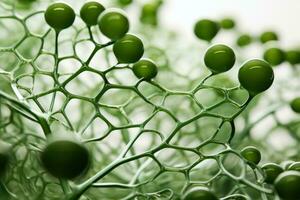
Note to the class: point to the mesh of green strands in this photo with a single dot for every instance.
(146, 141)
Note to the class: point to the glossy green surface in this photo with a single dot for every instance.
(292, 57)
(274, 56)
(90, 12)
(59, 16)
(295, 166)
(219, 58)
(295, 105)
(145, 68)
(251, 154)
(256, 76)
(199, 193)
(128, 49)
(287, 185)
(227, 23)
(113, 23)
(206, 29)
(65, 159)
(244, 40)
(268, 36)
(271, 171)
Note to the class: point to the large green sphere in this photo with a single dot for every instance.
(199, 193)
(227, 23)
(113, 23)
(292, 57)
(65, 158)
(219, 58)
(59, 16)
(256, 76)
(274, 56)
(206, 29)
(287, 185)
(145, 69)
(128, 49)
(251, 154)
(271, 171)
(244, 40)
(90, 12)
(268, 36)
(295, 105)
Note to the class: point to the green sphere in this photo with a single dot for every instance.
(90, 12)
(128, 49)
(125, 2)
(274, 56)
(206, 29)
(113, 23)
(199, 193)
(292, 57)
(268, 36)
(145, 69)
(251, 154)
(256, 76)
(295, 105)
(244, 40)
(65, 158)
(227, 23)
(149, 14)
(271, 171)
(287, 185)
(59, 16)
(219, 58)
(295, 166)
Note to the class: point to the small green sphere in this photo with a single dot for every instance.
(219, 58)
(59, 16)
(90, 12)
(199, 193)
(251, 154)
(244, 40)
(295, 166)
(113, 23)
(274, 56)
(125, 2)
(292, 57)
(268, 36)
(145, 69)
(206, 29)
(149, 14)
(65, 158)
(295, 105)
(227, 23)
(271, 171)
(287, 185)
(128, 49)
(256, 76)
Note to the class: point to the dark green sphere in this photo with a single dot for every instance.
(206, 29)
(4, 157)
(219, 58)
(199, 193)
(271, 171)
(65, 159)
(113, 23)
(244, 40)
(128, 49)
(59, 16)
(256, 76)
(268, 36)
(287, 185)
(292, 57)
(274, 56)
(90, 12)
(251, 154)
(294, 166)
(145, 69)
(227, 23)
(295, 105)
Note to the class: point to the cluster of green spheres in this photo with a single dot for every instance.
(65, 158)
(199, 193)
(251, 154)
